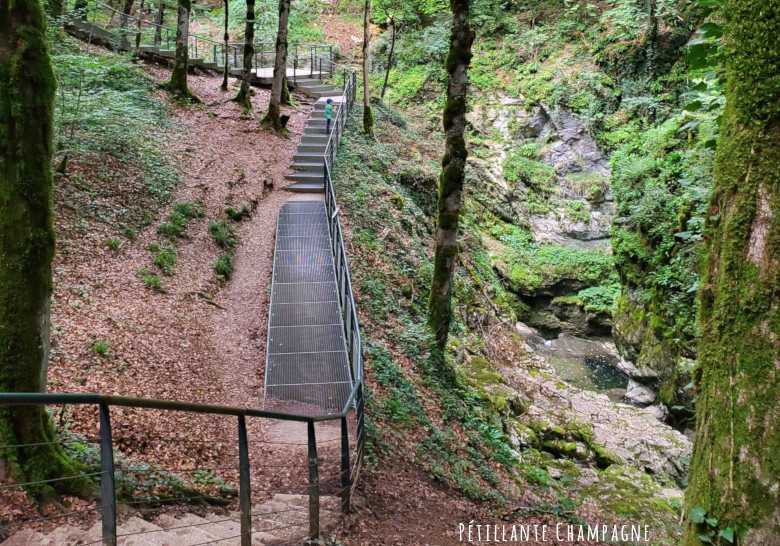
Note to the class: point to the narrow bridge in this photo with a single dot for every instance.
(314, 368)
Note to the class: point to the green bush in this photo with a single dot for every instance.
(224, 234)
(534, 174)
(175, 227)
(101, 347)
(165, 259)
(224, 266)
(113, 243)
(152, 281)
(238, 215)
(189, 210)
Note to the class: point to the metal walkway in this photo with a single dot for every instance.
(307, 361)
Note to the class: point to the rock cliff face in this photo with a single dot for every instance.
(538, 168)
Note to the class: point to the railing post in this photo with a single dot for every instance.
(107, 492)
(314, 485)
(244, 486)
(346, 483)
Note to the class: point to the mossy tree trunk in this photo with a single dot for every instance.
(273, 119)
(226, 52)
(453, 171)
(244, 92)
(368, 115)
(735, 469)
(286, 98)
(177, 85)
(27, 93)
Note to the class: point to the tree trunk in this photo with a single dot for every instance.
(27, 93)
(243, 97)
(226, 56)
(735, 469)
(138, 29)
(389, 57)
(273, 118)
(286, 99)
(452, 174)
(158, 28)
(368, 116)
(127, 7)
(54, 8)
(177, 85)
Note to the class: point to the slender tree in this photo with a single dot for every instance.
(127, 8)
(273, 119)
(160, 17)
(389, 55)
(138, 28)
(453, 170)
(368, 116)
(226, 56)
(27, 93)
(244, 92)
(735, 469)
(177, 85)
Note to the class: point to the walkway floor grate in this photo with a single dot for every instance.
(307, 360)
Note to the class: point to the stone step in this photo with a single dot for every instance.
(314, 138)
(184, 535)
(167, 53)
(195, 61)
(305, 176)
(321, 94)
(313, 148)
(305, 187)
(308, 166)
(307, 157)
(149, 49)
(211, 64)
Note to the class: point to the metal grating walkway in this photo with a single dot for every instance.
(307, 360)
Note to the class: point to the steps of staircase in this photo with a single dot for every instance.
(167, 52)
(305, 176)
(307, 157)
(149, 48)
(308, 166)
(305, 187)
(313, 148)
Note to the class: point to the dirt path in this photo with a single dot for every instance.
(202, 340)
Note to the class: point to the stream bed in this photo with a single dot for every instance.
(583, 363)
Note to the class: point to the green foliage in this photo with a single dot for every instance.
(224, 266)
(152, 281)
(101, 347)
(302, 24)
(237, 215)
(175, 227)
(165, 258)
(224, 234)
(107, 113)
(520, 169)
(113, 243)
(188, 210)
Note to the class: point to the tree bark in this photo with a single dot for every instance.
(453, 170)
(158, 28)
(138, 28)
(127, 7)
(226, 52)
(368, 116)
(27, 93)
(177, 85)
(389, 57)
(735, 469)
(273, 118)
(243, 97)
